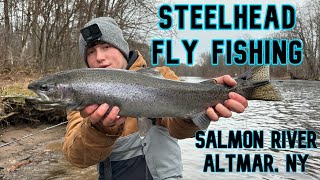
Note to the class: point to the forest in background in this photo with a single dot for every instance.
(42, 36)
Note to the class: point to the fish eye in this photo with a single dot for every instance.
(44, 87)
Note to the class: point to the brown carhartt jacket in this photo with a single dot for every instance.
(84, 145)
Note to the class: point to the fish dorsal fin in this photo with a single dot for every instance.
(209, 81)
(150, 72)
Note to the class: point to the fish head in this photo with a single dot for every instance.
(51, 93)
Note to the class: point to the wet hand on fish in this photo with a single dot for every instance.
(99, 115)
(235, 103)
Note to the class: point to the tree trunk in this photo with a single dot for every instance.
(6, 63)
(101, 7)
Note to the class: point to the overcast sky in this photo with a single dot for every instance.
(206, 36)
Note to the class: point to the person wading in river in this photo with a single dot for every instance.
(97, 135)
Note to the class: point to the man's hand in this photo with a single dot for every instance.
(98, 115)
(235, 103)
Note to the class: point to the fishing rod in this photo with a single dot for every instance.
(28, 135)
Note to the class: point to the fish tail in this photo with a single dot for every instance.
(259, 76)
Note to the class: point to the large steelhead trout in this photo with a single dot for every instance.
(145, 93)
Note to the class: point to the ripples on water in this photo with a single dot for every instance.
(299, 111)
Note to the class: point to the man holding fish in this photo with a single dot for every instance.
(97, 134)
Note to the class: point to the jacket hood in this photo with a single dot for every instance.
(139, 62)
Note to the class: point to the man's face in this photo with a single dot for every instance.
(105, 56)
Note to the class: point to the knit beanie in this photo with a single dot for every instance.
(111, 34)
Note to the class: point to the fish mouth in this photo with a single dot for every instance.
(42, 100)
(40, 104)
(42, 97)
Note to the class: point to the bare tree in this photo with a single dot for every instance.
(44, 33)
(308, 31)
(6, 33)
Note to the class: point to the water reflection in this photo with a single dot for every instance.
(300, 110)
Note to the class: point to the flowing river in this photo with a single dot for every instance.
(300, 110)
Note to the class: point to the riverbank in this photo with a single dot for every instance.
(39, 156)
(35, 157)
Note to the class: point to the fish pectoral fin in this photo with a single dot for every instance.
(74, 107)
(201, 120)
(144, 125)
(70, 108)
(150, 72)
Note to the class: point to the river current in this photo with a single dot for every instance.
(299, 110)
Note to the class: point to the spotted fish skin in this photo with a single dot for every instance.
(143, 94)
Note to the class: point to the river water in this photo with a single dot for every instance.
(299, 110)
